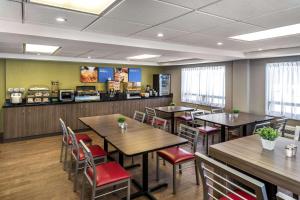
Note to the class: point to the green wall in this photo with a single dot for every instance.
(28, 73)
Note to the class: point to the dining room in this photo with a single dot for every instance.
(149, 99)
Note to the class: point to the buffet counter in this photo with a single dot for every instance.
(25, 120)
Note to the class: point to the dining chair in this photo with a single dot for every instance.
(297, 133)
(282, 196)
(197, 122)
(139, 116)
(222, 182)
(260, 125)
(150, 113)
(279, 124)
(77, 155)
(67, 142)
(177, 156)
(159, 123)
(216, 110)
(102, 176)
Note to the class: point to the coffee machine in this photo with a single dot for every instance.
(16, 95)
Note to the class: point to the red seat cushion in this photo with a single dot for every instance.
(185, 117)
(96, 151)
(175, 155)
(108, 173)
(240, 192)
(84, 137)
(208, 129)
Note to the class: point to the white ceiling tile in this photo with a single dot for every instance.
(10, 10)
(277, 19)
(45, 15)
(193, 4)
(242, 9)
(152, 33)
(232, 29)
(115, 27)
(195, 21)
(6, 47)
(148, 12)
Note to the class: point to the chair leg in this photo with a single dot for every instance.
(76, 176)
(157, 167)
(152, 155)
(197, 173)
(70, 168)
(83, 188)
(66, 157)
(213, 139)
(61, 151)
(180, 169)
(203, 141)
(132, 160)
(128, 190)
(174, 179)
(164, 162)
(206, 144)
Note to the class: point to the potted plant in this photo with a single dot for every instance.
(121, 122)
(268, 137)
(236, 112)
(172, 104)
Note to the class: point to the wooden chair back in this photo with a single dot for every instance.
(139, 116)
(220, 180)
(160, 123)
(191, 134)
(260, 125)
(150, 113)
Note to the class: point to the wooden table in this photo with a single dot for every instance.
(225, 120)
(172, 110)
(138, 139)
(273, 167)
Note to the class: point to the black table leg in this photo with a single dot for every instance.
(244, 130)
(121, 159)
(173, 123)
(223, 133)
(271, 190)
(105, 145)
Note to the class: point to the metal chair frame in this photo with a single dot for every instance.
(64, 144)
(163, 127)
(297, 133)
(89, 163)
(220, 179)
(75, 157)
(139, 116)
(191, 134)
(150, 113)
(279, 125)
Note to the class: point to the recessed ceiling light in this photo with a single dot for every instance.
(38, 54)
(143, 56)
(219, 43)
(160, 35)
(60, 19)
(260, 49)
(89, 57)
(88, 6)
(36, 48)
(270, 33)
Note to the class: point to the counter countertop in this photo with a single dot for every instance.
(10, 105)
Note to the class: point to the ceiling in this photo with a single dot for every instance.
(191, 28)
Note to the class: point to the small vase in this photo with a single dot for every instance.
(236, 115)
(268, 144)
(121, 125)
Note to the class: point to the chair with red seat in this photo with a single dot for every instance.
(183, 119)
(177, 156)
(105, 175)
(150, 113)
(222, 182)
(159, 123)
(67, 141)
(78, 156)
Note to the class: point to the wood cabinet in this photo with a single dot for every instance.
(37, 120)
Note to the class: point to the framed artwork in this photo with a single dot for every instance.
(88, 74)
(121, 74)
(105, 74)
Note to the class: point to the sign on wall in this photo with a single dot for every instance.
(105, 74)
(135, 75)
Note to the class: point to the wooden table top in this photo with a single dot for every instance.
(247, 155)
(174, 109)
(106, 125)
(137, 139)
(242, 119)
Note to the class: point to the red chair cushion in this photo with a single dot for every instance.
(96, 151)
(159, 122)
(240, 192)
(175, 155)
(185, 117)
(108, 173)
(84, 137)
(207, 129)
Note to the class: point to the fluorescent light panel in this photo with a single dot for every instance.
(88, 6)
(270, 33)
(143, 56)
(36, 48)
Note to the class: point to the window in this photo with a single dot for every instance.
(203, 85)
(283, 89)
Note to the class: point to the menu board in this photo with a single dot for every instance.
(88, 74)
(121, 74)
(135, 75)
(105, 74)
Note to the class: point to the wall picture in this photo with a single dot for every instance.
(121, 74)
(105, 74)
(88, 74)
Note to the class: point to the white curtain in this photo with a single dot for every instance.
(283, 89)
(203, 85)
